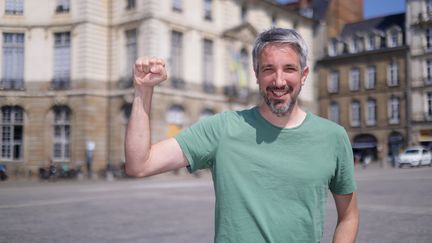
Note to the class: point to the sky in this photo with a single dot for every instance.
(374, 8)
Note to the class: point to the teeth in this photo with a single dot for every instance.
(279, 93)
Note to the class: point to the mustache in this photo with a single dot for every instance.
(285, 88)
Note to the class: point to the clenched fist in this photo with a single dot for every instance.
(149, 72)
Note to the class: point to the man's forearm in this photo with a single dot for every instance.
(138, 142)
(346, 230)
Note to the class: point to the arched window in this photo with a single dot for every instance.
(12, 131)
(61, 132)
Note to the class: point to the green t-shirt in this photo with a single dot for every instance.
(271, 183)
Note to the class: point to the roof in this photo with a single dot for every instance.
(378, 23)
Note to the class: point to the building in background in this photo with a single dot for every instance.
(363, 84)
(419, 38)
(66, 78)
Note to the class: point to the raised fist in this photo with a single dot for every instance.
(149, 72)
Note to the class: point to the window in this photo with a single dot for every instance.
(12, 125)
(356, 44)
(394, 110)
(61, 126)
(371, 43)
(131, 52)
(62, 6)
(355, 113)
(62, 62)
(371, 112)
(393, 38)
(334, 112)
(428, 70)
(14, 7)
(428, 105)
(428, 39)
(208, 65)
(370, 77)
(333, 48)
(13, 61)
(176, 59)
(243, 13)
(392, 74)
(130, 4)
(354, 81)
(333, 82)
(176, 5)
(208, 9)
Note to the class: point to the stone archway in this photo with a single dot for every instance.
(365, 145)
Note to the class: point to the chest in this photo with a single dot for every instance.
(284, 160)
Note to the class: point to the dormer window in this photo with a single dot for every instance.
(333, 48)
(393, 37)
(371, 42)
(356, 44)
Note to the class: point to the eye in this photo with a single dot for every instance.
(290, 69)
(267, 69)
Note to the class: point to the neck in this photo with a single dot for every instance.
(289, 120)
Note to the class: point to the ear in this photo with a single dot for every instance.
(304, 75)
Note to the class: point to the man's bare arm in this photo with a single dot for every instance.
(143, 158)
(348, 218)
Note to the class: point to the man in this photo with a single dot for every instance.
(272, 165)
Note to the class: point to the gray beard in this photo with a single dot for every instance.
(281, 111)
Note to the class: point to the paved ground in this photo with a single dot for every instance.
(395, 204)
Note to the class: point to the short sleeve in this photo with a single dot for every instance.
(343, 181)
(200, 141)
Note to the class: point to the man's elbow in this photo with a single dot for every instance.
(134, 171)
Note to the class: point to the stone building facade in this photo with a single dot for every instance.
(363, 83)
(419, 38)
(66, 87)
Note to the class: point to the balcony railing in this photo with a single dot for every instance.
(60, 83)
(12, 84)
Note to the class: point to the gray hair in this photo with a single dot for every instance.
(280, 35)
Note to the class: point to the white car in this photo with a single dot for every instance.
(415, 156)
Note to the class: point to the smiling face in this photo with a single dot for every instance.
(280, 77)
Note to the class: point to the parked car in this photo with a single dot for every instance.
(415, 156)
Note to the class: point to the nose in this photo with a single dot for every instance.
(279, 79)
